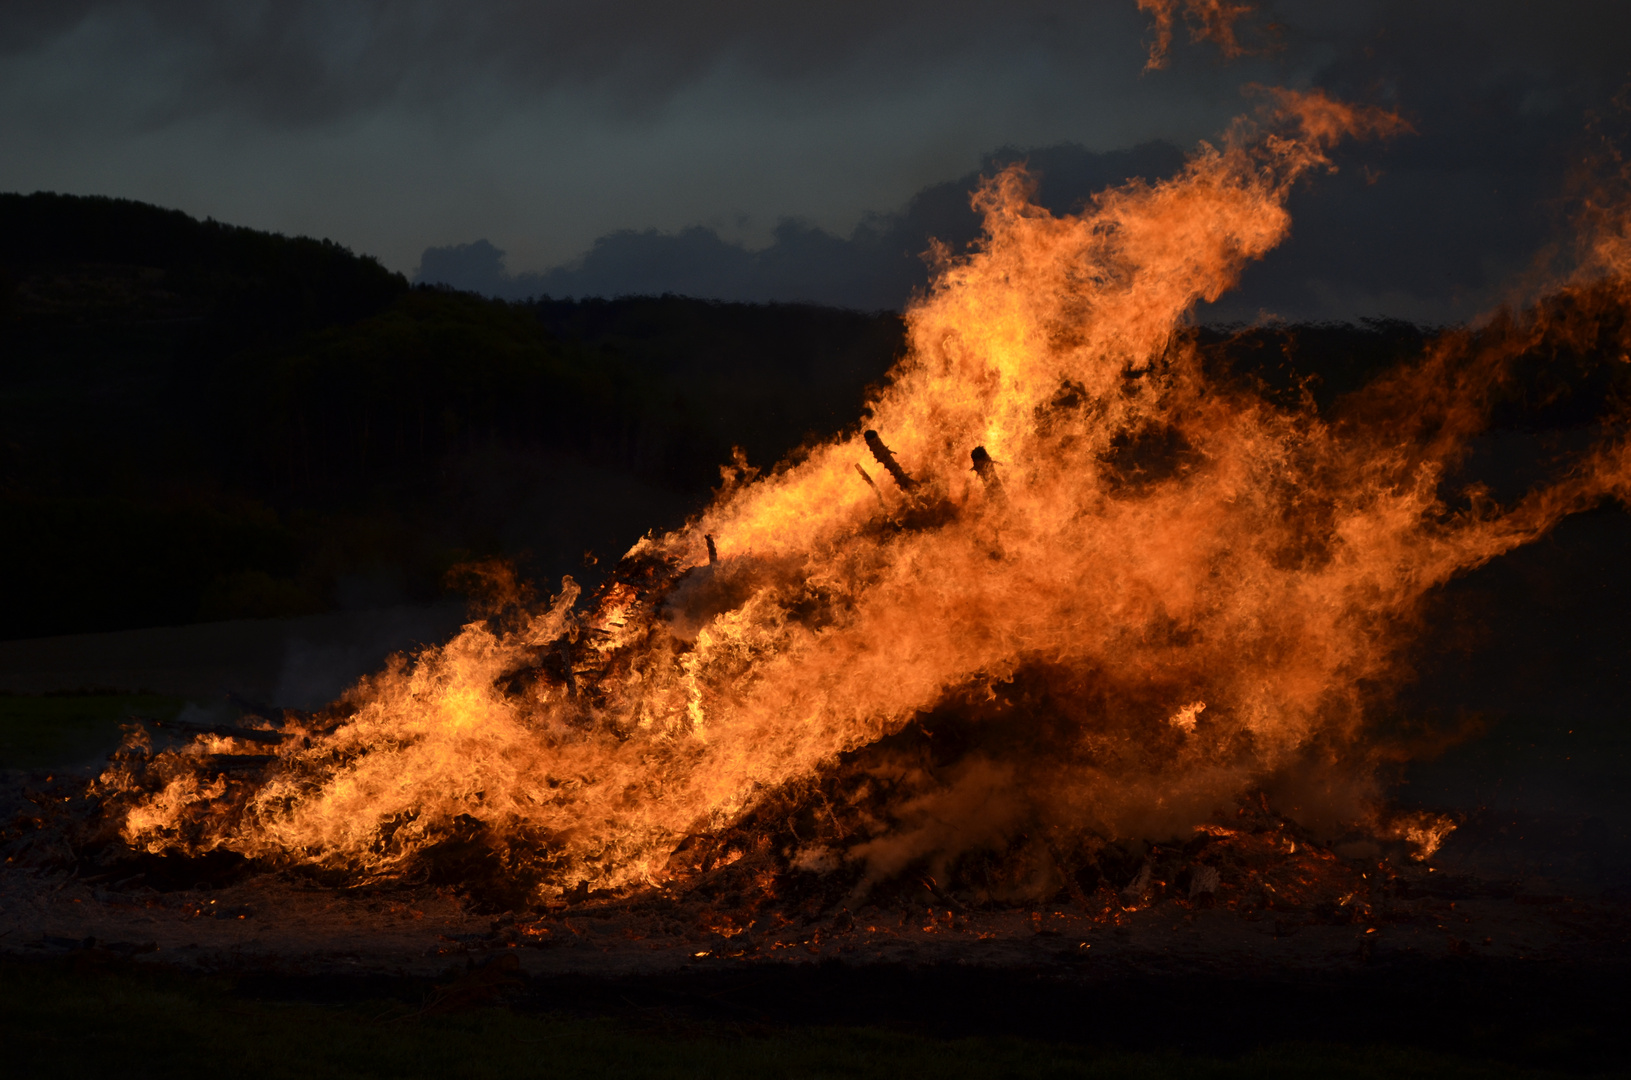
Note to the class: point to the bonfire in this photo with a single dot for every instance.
(1073, 616)
(1069, 615)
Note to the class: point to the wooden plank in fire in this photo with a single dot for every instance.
(268, 738)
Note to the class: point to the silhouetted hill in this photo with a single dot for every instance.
(82, 259)
(202, 421)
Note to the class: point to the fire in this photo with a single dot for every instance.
(1115, 591)
(1185, 718)
(1209, 20)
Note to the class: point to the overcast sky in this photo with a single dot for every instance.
(396, 125)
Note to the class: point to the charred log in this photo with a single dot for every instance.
(986, 469)
(886, 458)
(268, 738)
(568, 672)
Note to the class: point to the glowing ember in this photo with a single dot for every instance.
(1056, 543)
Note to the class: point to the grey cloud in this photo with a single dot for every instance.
(880, 265)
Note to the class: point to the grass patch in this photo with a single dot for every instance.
(86, 1017)
(43, 731)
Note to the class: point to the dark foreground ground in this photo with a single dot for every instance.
(1452, 970)
(91, 1012)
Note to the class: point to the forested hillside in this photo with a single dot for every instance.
(199, 421)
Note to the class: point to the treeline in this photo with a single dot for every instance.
(199, 421)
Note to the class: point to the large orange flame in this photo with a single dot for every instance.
(1169, 587)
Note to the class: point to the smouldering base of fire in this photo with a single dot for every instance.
(1255, 896)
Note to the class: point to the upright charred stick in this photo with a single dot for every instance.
(887, 459)
(566, 661)
(868, 478)
(986, 469)
(713, 552)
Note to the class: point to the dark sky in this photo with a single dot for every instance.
(393, 126)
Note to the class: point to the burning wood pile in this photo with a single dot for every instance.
(1074, 618)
